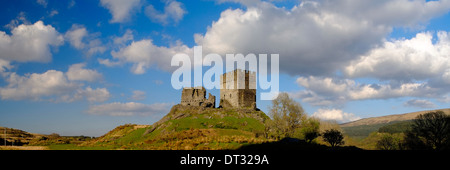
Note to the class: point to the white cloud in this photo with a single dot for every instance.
(4, 67)
(143, 54)
(129, 109)
(405, 59)
(108, 62)
(29, 43)
(314, 38)
(328, 91)
(159, 82)
(53, 13)
(138, 95)
(414, 67)
(419, 103)
(95, 46)
(93, 95)
(121, 10)
(21, 18)
(126, 37)
(52, 85)
(71, 4)
(37, 86)
(80, 39)
(77, 72)
(335, 114)
(75, 36)
(325, 86)
(401, 13)
(243, 2)
(173, 11)
(42, 2)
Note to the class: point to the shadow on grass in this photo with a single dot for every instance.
(289, 144)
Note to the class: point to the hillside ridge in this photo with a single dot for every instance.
(189, 127)
(390, 118)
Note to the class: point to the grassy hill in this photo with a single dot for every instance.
(17, 139)
(362, 128)
(365, 133)
(189, 127)
(390, 118)
(15, 136)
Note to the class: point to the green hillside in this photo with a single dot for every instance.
(362, 128)
(189, 127)
(10, 136)
(398, 127)
(363, 131)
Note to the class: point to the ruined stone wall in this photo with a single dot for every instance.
(231, 94)
(197, 97)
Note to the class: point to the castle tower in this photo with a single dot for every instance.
(238, 89)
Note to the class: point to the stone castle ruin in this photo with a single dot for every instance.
(234, 92)
(237, 90)
(197, 97)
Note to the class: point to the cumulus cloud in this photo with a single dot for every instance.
(29, 43)
(128, 109)
(406, 59)
(414, 67)
(53, 13)
(143, 54)
(243, 2)
(80, 39)
(21, 18)
(4, 67)
(173, 12)
(78, 72)
(138, 95)
(335, 114)
(75, 36)
(93, 95)
(52, 85)
(419, 103)
(44, 3)
(325, 91)
(314, 37)
(121, 10)
(125, 38)
(36, 86)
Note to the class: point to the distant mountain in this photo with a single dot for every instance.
(12, 138)
(389, 118)
(362, 128)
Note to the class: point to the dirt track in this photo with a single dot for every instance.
(23, 148)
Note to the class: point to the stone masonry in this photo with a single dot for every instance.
(238, 89)
(197, 97)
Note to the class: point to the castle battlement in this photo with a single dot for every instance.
(238, 89)
(238, 79)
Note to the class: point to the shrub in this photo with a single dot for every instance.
(430, 130)
(333, 137)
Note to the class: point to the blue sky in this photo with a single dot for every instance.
(83, 67)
